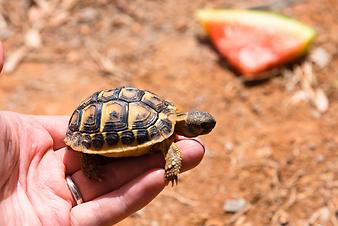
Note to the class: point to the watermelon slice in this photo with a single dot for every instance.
(255, 41)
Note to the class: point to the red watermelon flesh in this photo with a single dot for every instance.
(254, 41)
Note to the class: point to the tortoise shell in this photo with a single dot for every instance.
(120, 122)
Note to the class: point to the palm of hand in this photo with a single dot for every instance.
(33, 189)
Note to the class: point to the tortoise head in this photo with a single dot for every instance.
(195, 123)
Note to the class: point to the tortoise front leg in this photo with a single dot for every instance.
(173, 163)
(90, 166)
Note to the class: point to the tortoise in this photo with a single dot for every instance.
(128, 121)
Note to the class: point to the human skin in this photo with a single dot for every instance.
(35, 162)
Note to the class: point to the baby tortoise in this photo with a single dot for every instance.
(129, 121)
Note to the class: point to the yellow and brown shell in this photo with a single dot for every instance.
(120, 122)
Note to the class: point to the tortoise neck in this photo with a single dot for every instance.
(181, 119)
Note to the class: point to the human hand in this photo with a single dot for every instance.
(35, 162)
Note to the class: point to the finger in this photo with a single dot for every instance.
(192, 152)
(70, 158)
(56, 127)
(115, 174)
(115, 206)
(122, 170)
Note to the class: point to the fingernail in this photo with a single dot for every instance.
(200, 142)
(197, 140)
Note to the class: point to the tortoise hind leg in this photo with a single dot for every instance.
(91, 166)
(173, 163)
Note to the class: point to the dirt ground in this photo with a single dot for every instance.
(272, 146)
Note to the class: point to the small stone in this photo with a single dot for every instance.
(255, 108)
(154, 223)
(320, 158)
(331, 145)
(320, 57)
(325, 215)
(229, 147)
(181, 26)
(234, 205)
(121, 20)
(312, 146)
(33, 39)
(89, 15)
(284, 219)
(264, 152)
(320, 100)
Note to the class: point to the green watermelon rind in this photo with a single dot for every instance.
(257, 18)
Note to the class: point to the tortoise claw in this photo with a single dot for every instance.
(174, 182)
(173, 179)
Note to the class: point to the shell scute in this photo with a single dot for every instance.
(92, 99)
(164, 126)
(154, 101)
(142, 136)
(74, 121)
(109, 94)
(154, 133)
(141, 116)
(112, 138)
(91, 115)
(98, 141)
(115, 116)
(131, 94)
(86, 141)
(127, 137)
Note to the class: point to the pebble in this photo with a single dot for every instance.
(33, 39)
(325, 215)
(234, 205)
(229, 146)
(284, 219)
(89, 14)
(320, 158)
(154, 223)
(331, 145)
(320, 57)
(312, 146)
(320, 100)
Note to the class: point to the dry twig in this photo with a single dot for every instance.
(106, 64)
(181, 199)
(14, 59)
(310, 90)
(238, 215)
(266, 163)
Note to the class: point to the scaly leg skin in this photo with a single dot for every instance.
(173, 163)
(90, 166)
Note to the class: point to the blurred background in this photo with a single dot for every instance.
(272, 159)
